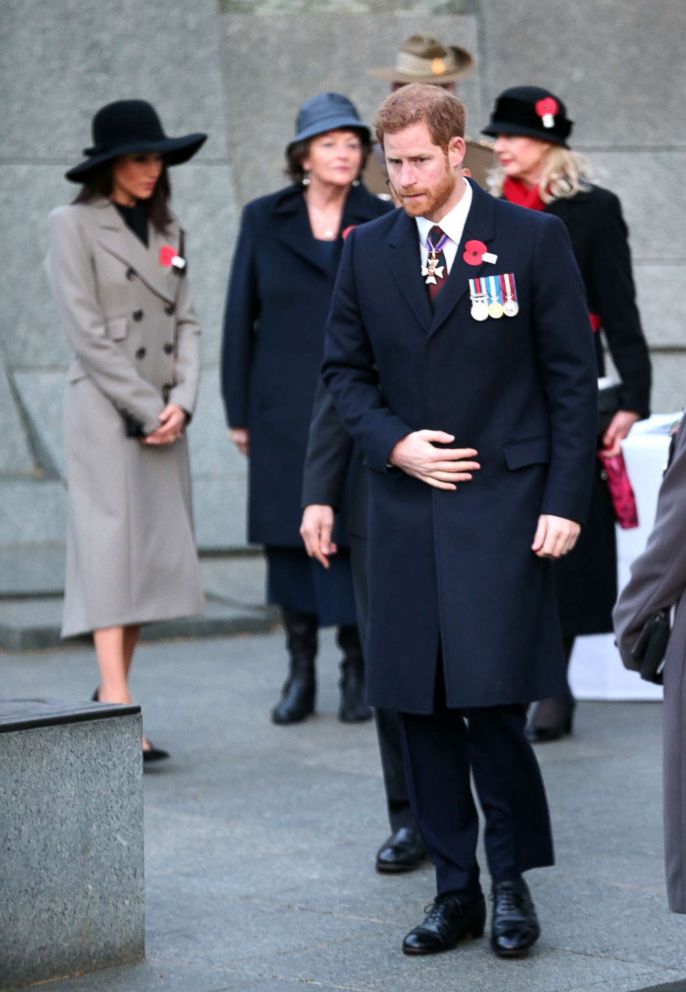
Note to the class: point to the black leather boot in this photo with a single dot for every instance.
(297, 695)
(353, 708)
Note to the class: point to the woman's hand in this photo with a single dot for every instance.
(620, 425)
(241, 438)
(172, 422)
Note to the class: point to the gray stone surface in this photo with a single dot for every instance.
(309, 54)
(238, 69)
(71, 833)
(260, 842)
(621, 91)
(15, 451)
(235, 597)
(32, 512)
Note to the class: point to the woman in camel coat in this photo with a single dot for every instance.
(117, 271)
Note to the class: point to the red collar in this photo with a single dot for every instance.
(515, 191)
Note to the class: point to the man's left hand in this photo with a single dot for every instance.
(620, 425)
(316, 529)
(555, 536)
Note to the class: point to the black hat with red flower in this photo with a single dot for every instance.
(530, 111)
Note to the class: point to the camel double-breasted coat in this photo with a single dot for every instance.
(131, 554)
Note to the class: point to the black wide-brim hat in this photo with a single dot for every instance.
(130, 127)
(327, 112)
(530, 111)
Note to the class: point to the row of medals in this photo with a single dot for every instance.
(482, 309)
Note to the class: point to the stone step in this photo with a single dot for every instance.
(32, 623)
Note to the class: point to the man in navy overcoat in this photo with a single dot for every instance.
(459, 354)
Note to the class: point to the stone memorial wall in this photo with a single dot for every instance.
(238, 70)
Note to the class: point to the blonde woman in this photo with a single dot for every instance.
(537, 169)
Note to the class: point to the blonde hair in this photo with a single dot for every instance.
(564, 174)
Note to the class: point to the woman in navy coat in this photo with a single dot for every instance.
(278, 299)
(538, 170)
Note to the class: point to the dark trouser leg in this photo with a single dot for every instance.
(388, 724)
(352, 707)
(436, 754)
(389, 733)
(297, 695)
(552, 718)
(510, 790)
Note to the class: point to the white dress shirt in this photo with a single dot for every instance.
(452, 224)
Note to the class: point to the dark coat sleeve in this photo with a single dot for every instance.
(329, 450)
(567, 365)
(658, 575)
(612, 295)
(349, 372)
(240, 317)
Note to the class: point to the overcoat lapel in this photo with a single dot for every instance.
(293, 224)
(406, 263)
(116, 238)
(478, 227)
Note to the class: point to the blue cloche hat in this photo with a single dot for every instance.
(327, 112)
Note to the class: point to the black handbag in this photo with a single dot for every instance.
(650, 648)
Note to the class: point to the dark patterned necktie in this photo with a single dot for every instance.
(435, 241)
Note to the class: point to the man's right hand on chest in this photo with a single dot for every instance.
(442, 468)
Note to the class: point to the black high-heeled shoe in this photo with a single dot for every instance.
(150, 754)
(556, 716)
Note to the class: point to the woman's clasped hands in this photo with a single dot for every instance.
(172, 422)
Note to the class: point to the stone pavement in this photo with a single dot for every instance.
(260, 842)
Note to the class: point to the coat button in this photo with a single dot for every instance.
(140, 353)
(130, 274)
(170, 309)
(137, 315)
(168, 348)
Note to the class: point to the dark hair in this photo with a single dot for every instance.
(442, 113)
(100, 182)
(297, 152)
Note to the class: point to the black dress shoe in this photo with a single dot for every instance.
(403, 851)
(452, 917)
(552, 719)
(514, 926)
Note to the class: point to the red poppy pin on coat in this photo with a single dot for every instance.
(475, 252)
(346, 230)
(169, 258)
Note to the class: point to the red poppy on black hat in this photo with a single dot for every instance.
(530, 111)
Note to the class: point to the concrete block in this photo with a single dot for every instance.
(621, 92)
(219, 511)
(71, 832)
(309, 54)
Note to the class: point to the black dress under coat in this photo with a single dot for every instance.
(587, 578)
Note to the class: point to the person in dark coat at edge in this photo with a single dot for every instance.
(537, 169)
(658, 582)
(459, 355)
(279, 293)
(336, 478)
